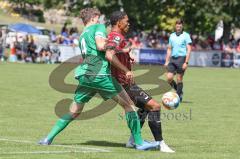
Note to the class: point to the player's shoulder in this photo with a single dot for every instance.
(117, 37)
(186, 33)
(97, 27)
(172, 34)
(100, 25)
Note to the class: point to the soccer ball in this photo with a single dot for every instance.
(170, 100)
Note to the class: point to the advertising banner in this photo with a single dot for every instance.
(67, 52)
(135, 55)
(152, 56)
(205, 58)
(227, 60)
(236, 60)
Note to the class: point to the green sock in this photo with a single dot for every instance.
(59, 126)
(134, 125)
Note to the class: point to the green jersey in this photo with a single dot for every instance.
(94, 61)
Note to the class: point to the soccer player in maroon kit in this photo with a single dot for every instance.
(147, 106)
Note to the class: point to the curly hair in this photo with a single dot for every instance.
(87, 13)
(117, 16)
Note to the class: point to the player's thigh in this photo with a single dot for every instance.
(124, 100)
(108, 87)
(179, 63)
(171, 68)
(152, 105)
(138, 96)
(83, 94)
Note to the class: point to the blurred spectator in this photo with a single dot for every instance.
(13, 57)
(135, 42)
(238, 46)
(210, 41)
(45, 54)
(64, 31)
(218, 45)
(31, 48)
(74, 32)
(53, 36)
(21, 48)
(1, 45)
(3, 36)
(229, 48)
(60, 39)
(64, 28)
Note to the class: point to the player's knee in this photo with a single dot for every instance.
(129, 108)
(169, 78)
(179, 78)
(154, 107)
(75, 115)
(76, 109)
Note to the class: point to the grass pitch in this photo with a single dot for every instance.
(206, 125)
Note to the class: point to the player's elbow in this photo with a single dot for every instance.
(100, 43)
(101, 47)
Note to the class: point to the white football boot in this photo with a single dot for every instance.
(164, 147)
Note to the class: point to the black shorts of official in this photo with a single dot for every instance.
(175, 64)
(138, 95)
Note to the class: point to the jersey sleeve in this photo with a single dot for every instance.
(114, 42)
(101, 31)
(188, 39)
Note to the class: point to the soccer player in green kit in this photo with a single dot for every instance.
(94, 77)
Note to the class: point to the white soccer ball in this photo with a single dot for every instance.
(170, 100)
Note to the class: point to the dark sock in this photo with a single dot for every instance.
(155, 125)
(179, 88)
(142, 116)
(173, 84)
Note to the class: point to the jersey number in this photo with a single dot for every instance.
(83, 46)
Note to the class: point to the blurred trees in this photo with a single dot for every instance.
(23, 3)
(200, 17)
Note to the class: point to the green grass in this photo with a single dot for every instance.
(27, 113)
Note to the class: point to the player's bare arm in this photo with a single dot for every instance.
(100, 42)
(169, 49)
(185, 65)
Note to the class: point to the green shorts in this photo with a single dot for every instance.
(106, 86)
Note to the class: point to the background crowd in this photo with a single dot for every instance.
(25, 48)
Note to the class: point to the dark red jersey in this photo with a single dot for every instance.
(117, 42)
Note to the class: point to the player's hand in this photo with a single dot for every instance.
(129, 76)
(166, 64)
(133, 61)
(185, 65)
(126, 50)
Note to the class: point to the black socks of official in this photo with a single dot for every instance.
(179, 89)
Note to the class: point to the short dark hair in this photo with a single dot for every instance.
(179, 21)
(117, 16)
(87, 13)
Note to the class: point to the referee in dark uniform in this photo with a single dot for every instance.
(178, 55)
